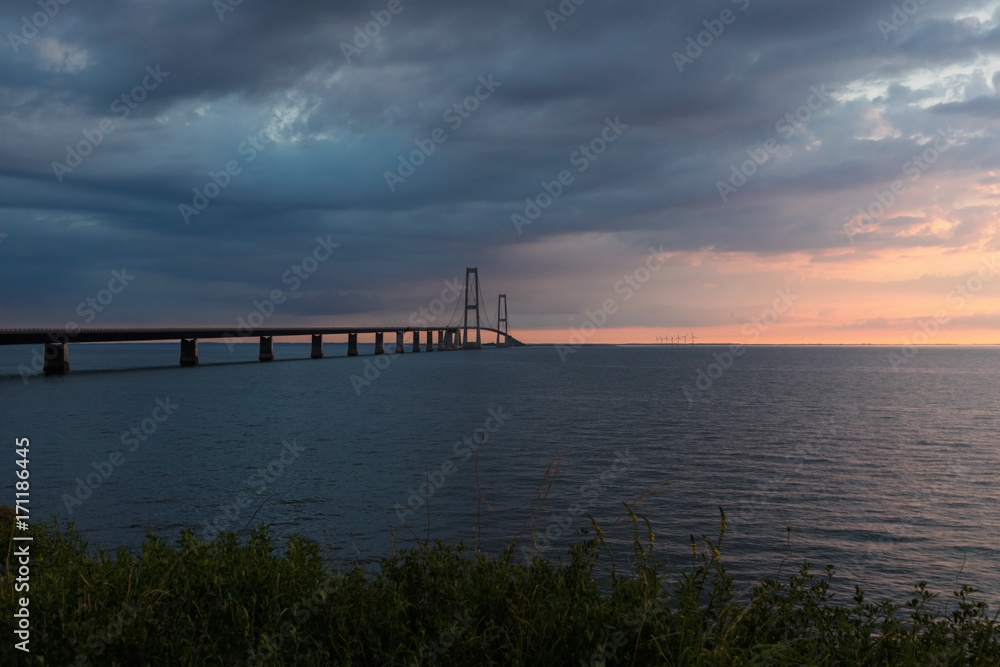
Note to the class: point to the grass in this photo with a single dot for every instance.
(236, 602)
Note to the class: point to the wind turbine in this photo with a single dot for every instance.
(685, 339)
(692, 338)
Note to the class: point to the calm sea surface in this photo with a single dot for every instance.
(893, 475)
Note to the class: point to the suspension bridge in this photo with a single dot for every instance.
(466, 335)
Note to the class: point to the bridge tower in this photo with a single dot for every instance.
(502, 320)
(466, 344)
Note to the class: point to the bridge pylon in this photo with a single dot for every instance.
(472, 273)
(502, 320)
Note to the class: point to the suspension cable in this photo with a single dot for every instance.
(485, 311)
(462, 299)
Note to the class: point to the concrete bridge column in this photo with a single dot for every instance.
(447, 339)
(266, 348)
(430, 341)
(379, 343)
(399, 343)
(317, 346)
(441, 339)
(416, 341)
(352, 345)
(56, 359)
(189, 351)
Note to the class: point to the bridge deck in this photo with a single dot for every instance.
(42, 336)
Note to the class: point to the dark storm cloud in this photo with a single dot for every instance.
(272, 80)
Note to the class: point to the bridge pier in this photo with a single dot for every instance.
(266, 348)
(430, 341)
(317, 346)
(416, 341)
(352, 345)
(379, 343)
(189, 351)
(399, 343)
(56, 359)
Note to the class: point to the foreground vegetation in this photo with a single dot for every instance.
(232, 602)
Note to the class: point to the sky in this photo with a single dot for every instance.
(740, 170)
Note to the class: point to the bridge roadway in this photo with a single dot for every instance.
(57, 341)
(45, 336)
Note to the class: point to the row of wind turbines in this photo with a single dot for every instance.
(675, 340)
